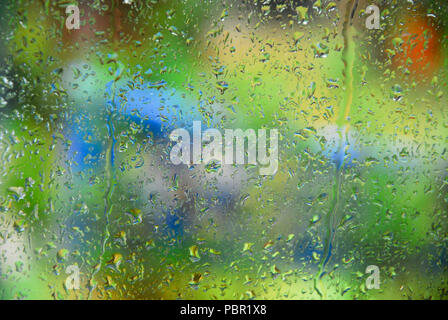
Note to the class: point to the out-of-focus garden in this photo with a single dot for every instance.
(86, 178)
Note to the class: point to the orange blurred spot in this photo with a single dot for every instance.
(420, 51)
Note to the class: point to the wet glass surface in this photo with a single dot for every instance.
(119, 178)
